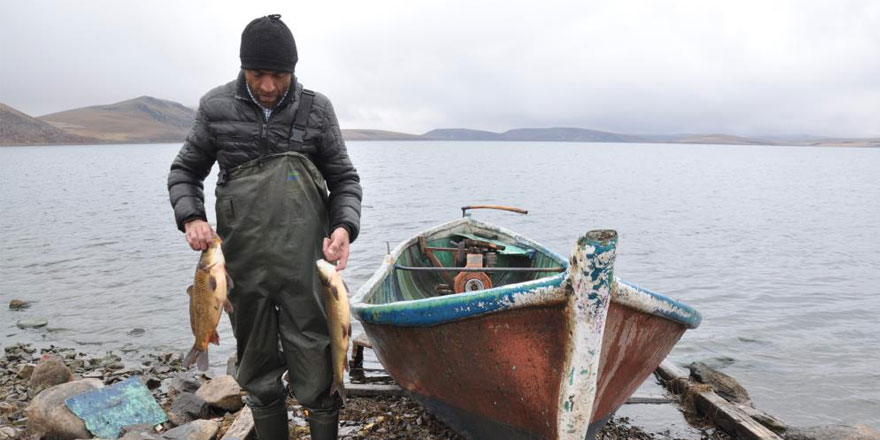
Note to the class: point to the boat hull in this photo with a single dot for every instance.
(518, 403)
(633, 346)
(547, 358)
(509, 363)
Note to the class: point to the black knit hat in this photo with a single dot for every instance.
(267, 44)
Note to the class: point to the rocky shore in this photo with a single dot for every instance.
(34, 383)
(197, 406)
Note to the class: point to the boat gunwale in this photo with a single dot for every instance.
(540, 292)
(439, 309)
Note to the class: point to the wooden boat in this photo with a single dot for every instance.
(501, 337)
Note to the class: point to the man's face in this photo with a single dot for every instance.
(267, 86)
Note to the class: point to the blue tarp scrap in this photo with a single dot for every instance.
(106, 410)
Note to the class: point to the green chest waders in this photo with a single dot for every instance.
(272, 217)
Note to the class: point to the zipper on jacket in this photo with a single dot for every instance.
(264, 144)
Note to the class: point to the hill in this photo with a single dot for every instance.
(139, 120)
(358, 134)
(555, 134)
(17, 128)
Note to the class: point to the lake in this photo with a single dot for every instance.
(778, 247)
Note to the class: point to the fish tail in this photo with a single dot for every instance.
(338, 387)
(198, 357)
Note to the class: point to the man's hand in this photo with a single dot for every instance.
(199, 234)
(336, 248)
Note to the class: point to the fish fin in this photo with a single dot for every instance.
(212, 281)
(215, 338)
(228, 307)
(335, 292)
(229, 283)
(189, 290)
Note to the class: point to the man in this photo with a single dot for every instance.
(280, 150)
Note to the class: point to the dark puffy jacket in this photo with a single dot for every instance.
(230, 129)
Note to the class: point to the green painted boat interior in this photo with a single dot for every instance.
(404, 285)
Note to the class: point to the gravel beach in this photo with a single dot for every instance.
(383, 418)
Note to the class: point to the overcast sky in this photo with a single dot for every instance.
(747, 67)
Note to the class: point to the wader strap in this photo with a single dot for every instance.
(302, 116)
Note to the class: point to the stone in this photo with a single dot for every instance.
(35, 322)
(188, 407)
(48, 416)
(139, 432)
(8, 433)
(347, 431)
(833, 432)
(50, 371)
(197, 430)
(151, 382)
(136, 332)
(724, 385)
(18, 304)
(25, 371)
(8, 408)
(184, 383)
(222, 392)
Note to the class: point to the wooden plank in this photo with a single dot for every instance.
(648, 399)
(372, 390)
(724, 414)
(243, 426)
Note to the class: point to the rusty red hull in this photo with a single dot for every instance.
(495, 372)
(500, 372)
(633, 346)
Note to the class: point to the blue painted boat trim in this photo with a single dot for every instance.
(440, 309)
(658, 304)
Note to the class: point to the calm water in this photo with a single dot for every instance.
(778, 247)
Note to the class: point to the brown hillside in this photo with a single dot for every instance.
(143, 119)
(17, 128)
(357, 134)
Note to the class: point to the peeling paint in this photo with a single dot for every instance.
(592, 276)
(654, 303)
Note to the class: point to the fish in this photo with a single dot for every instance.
(338, 322)
(207, 300)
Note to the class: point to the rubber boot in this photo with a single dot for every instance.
(324, 425)
(271, 421)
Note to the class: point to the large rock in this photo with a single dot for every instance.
(833, 432)
(48, 416)
(184, 382)
(222, 392)
(49, 372)
(188, 407)
(8, 433)
(35, 322)
(197, 430)
(724, 385)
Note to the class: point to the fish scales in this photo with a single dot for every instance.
(207, 299)
(338, 322)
